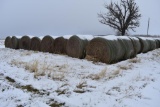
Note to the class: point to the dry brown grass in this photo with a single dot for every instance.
(26, 53)
(33, 66)
(59, 72)
(99, 75)
(135, 60)
(41, 68)
(80, 87)
(125, 67)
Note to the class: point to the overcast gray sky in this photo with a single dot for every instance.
(62, 17)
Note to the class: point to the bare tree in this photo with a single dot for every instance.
(121, 16)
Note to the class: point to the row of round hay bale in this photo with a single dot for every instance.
(24, 43)
(104, 50)
(35, 44)
(127, 46)
(76, 47)
(101, 49)
(8, 43)
(47, 44)
(59, 45)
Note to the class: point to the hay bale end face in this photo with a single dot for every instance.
(35, 44)
(8, 43)
(15, 42)
(25, 43)
(47, 44)
(76, 47)
(107, 51)
(59, 45)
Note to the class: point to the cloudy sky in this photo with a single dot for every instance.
(62, 17)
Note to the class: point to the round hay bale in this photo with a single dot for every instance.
(65, 49)
(127, 45)
(144, 44)
(47, 44)
(152, 44)
(24, 43)
(136, 45)
(8, 43)
(76, 47)
(157, 43)
(104, 50)
(15, 42)
(35, 44)
(158, 40)
(59, 45)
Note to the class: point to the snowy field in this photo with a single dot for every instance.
(36, 79)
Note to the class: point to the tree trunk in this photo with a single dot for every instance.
(123, 32)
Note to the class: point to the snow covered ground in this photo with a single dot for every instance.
(36, 79)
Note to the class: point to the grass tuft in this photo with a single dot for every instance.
(135, 60)
(99, 75)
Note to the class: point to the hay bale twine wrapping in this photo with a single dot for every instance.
(24, 43)
(145, 45)
(59, 45)
(35, 44)
(104, 50)
(15, 42)
(8, 43)
(47, 44)
(136, 45)
(76, 47)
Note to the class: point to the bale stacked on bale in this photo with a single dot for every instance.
(145, 45)
(136, 45)
(47, 44)
(76, 47)
(24, 43)
(8, 43)
(104, 50)
(59, 45)
(35, 44)
(15, 42)
(127, 45)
